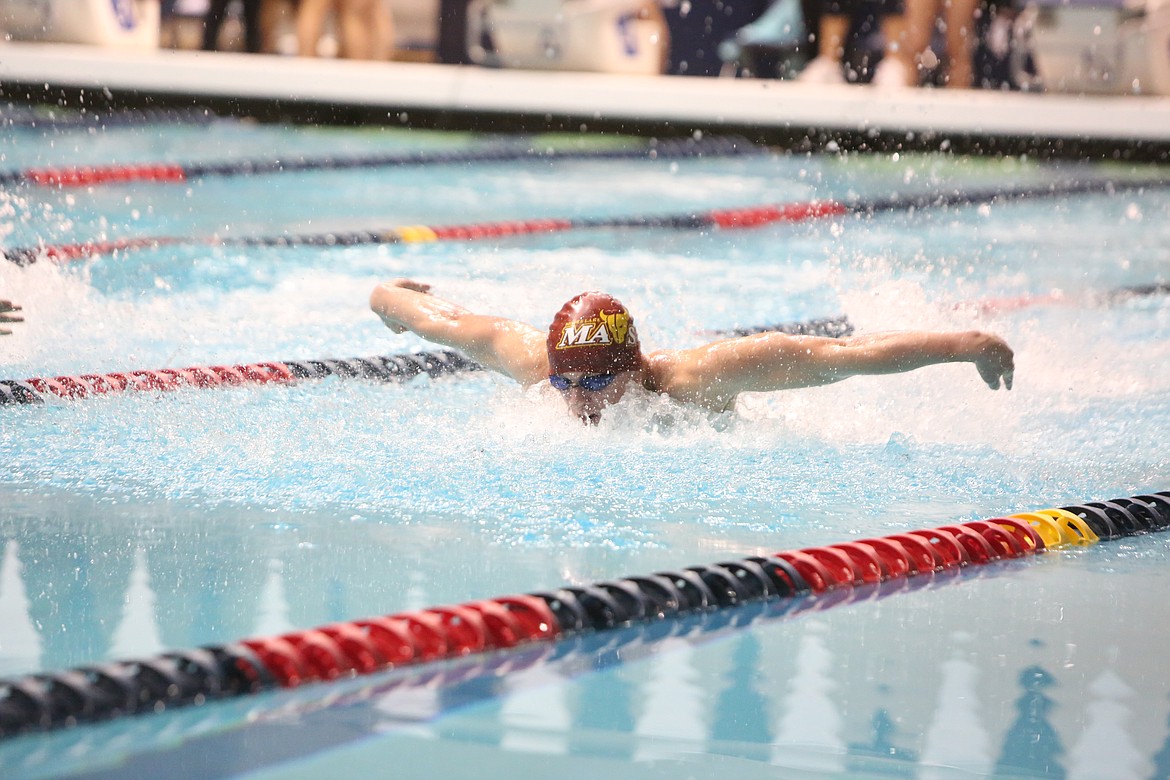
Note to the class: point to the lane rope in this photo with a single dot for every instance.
(837, 327)
(14, 118)
(816, 577)
(85, 176)
(719, 219)
(385, 368)
(1056, 297)
(840, 327)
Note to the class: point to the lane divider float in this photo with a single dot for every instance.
(1056, 297)
(86, 176)
(816, 577)
(840, 327)
(53, 119)
(837, 327)
(386, 368)
(719, 219)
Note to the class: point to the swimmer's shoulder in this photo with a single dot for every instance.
(661, 369)
(676, 374)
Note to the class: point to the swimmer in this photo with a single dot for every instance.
(592, 355)
(5, 308)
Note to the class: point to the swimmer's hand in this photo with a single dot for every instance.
(994, 359)
(407, 284)
(384, 303)
(410, 284)
(5, 316)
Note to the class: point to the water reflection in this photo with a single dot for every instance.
(1162, 758)
(741, 714)
(957, 736)
(604, 707)
(1106, 747)
(538, 719)
(82, 593)
(137, 634)
(811, 717)
(20, 642)
(865, 687)
(273, 609)
(77, 589)
(673, 705)
(881, 753)
(1032, 745)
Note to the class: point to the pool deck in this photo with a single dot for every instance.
(794, 115)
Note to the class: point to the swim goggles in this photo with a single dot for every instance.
(589, 384)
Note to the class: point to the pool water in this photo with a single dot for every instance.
(135, 523)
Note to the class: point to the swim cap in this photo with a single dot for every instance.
(593, 333)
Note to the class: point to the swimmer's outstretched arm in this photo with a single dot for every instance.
(512, 348)
(776, 361)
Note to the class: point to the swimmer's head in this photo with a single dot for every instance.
(592, 337)
(593, 333)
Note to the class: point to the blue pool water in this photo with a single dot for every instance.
(135, 523)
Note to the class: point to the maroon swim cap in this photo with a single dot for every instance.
(593, 333)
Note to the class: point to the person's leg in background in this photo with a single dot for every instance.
(384, 22)
(832, 22)
(311, 25)
(253, 35)
(898, 67)
(366, 29)
(272, 15)
(212, 21)
(957, 18)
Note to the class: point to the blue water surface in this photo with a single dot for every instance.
(135, 523)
